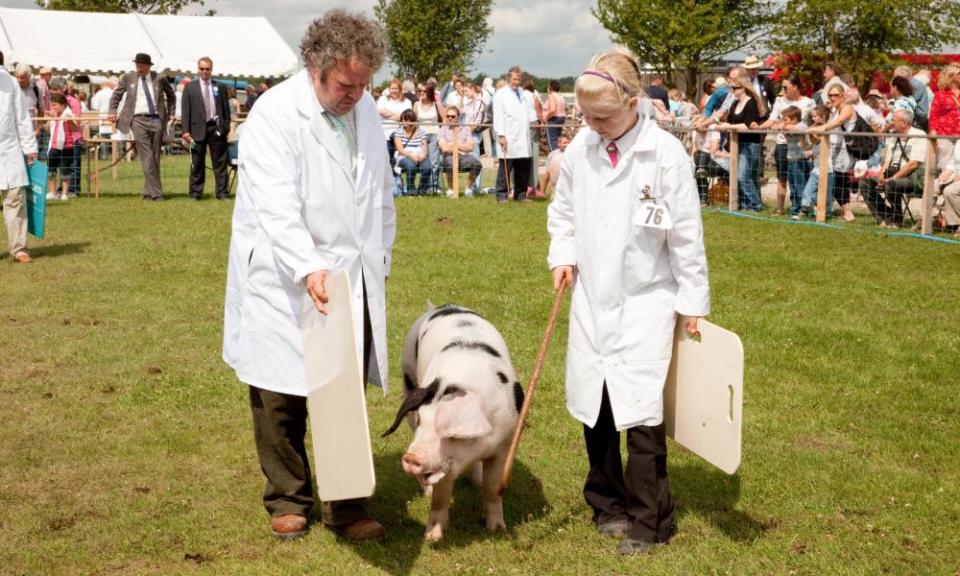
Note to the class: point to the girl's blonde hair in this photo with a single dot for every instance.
(947, 74)
(608, 83)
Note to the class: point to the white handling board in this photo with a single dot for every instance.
(703, 396)
(342, 456)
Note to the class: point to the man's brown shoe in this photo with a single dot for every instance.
(23, 258)
(365, 528)
(289, 526)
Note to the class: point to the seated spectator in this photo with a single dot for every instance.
(950, 180)
(60, 152)
(462, 147)
(707, 157)
(901, 173)
(411, 153)
(551, 168)
(798, 166)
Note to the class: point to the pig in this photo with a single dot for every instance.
(461, 400)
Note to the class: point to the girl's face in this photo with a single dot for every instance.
(611, 125)
(789, 122)
(816, 118)
(56, 108)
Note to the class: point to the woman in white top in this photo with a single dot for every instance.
(626, 233)
(843, 117)
(390, 106)
(430, 113)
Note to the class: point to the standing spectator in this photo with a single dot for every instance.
(843, 117)
(721, 91)
(760, 83)
(798, 166)
(390, 106)
(746, 112)
(252, 95)
(900, 174)
(409, 86)
(474, 115)
(831, 78)
(709, 85)
(28, 89)
(554, 114)
(73, 153)
(412, 154)
(17, 142)
(206, 123)
(918, 91)
(486, 92)
(634, 279)
(454, 97)
(656, 91)
(945, 114)
(463, 148)
(101, 103)
(146, 111)
(60, 153)
(430, 114)
(901, 92)
(791, 97)
(449, 87)
(818, 118)
(533, 97)
(234, 102)
(43, 84)
(307, 209)
(512, 115)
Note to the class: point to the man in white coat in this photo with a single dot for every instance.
(512, 114)
(315, 198)
(17, 141)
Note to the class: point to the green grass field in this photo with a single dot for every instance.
(126, 443)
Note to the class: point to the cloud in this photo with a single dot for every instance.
(547, 38)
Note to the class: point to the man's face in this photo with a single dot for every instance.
(205, 70)
(562, 143)
(514, 79)
(900, 125)
(343, 86)
(47, 76)
(828, 73)
(23, 80)
(142, 69)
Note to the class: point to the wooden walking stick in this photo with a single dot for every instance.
(506, 177)
(531, 388)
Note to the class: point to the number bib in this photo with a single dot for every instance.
(650, 213)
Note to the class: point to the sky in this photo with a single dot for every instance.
(549, 38)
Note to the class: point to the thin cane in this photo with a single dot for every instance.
(528, 397)
(506, 177)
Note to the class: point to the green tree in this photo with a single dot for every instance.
(434, 38)
(685, 35)
(862, 36)
(141, 6)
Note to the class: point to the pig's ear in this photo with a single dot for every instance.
(461, 416)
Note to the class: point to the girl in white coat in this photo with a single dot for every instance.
(626, 233)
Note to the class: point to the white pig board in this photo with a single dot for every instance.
(703, 395)
(342, 455)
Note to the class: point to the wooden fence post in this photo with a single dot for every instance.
(929, 173)
(823, 184)
(455, 172)
(734, 161)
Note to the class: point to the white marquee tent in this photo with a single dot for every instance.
(97, 43)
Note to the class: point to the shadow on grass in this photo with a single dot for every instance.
(714, 495)
(54, 250)
(397, 492)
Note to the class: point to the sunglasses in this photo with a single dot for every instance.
(206, 69)
(451, 117)
(834, 95)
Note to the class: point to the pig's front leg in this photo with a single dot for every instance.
(492, 502)
(439, 509)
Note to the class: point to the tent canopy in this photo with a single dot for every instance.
(92, 42)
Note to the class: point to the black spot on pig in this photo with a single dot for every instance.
(464, 324)
(408, 382)
(482, 346)
(518, 396)
(503, 377)
(449, 310)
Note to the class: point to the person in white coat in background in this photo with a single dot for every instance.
(626, 233)
(17, 144)
(315, 198)
(512, 114)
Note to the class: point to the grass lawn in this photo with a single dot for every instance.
(126, 443)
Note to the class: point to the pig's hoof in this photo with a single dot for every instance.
(495, 524)
(434, 533)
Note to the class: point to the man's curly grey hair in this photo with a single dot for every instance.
(341, 35)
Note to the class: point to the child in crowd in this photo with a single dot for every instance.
(60, 149)
(818, 117)
(708, 160)
(798, 166)
(626, 233)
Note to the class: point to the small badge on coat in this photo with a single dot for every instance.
(648, 213)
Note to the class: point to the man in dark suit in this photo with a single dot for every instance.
(146, 111)
(762, 84)
(206, 122)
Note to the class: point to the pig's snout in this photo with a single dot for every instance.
(412, 464)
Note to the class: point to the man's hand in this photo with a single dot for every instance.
(691, 326)
(31, 158)
(561, 275)
(502, 140)
(187, 137)
(316, 288)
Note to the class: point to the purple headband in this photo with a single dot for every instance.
(608, 78)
